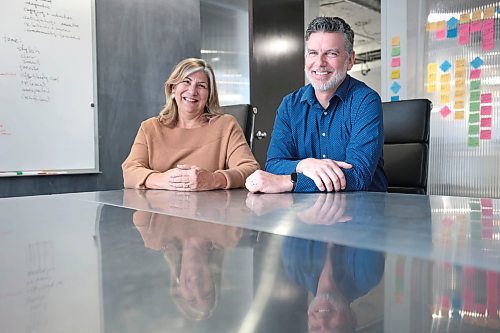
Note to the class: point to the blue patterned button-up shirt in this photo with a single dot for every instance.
(350, 130)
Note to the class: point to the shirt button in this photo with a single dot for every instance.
(324, 134)
(324, 156)
(325, 113)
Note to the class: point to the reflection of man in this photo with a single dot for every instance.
(328, 135)
(336, 275)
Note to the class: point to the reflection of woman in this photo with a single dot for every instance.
(336, 275)
(194, 251)
(191, 145)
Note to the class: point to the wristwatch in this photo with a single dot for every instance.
(293, 179)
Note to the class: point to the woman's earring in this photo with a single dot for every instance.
(173, 94)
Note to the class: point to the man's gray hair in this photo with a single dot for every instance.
(332, 24)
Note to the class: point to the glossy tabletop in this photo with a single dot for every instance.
(232, 261)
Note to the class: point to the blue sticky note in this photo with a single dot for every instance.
(445, 66)
(498, 10)
(395, 87)
(452, 33)
(395, 98)
(452, 23)
(477, 62)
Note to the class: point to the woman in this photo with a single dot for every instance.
(191, 145)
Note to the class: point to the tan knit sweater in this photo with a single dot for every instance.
(219, 146)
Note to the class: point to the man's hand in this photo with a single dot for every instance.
(326, 174)
(329, 208)
(265, 182)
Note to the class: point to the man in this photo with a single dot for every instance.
(328, 135)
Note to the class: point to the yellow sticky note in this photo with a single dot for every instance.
(444, 98)
(460, 63)
(445, 78)
(445, 88)
(459, 94)
(459, 73)
(395, 74)
(432, 67)
(431, 77)
(459, 115)
(441, 25)
(431, 87)
(464, 18)
(476, 15)
(488, 12)
(395, 41)
(430, 26)
(459, 104)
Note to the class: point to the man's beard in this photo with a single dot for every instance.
(336, 79)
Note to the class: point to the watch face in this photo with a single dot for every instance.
(293, 177)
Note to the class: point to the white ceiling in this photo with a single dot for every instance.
(363, 20)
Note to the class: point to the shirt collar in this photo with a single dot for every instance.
(341, 92)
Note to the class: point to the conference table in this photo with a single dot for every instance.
(233, 261)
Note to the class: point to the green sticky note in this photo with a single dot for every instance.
(395, 51)
(474, 118)
(474, 129)
(475, 95)
(474, 107)
(475, 85)
(475, 206)
(475, 215)
(473, 141)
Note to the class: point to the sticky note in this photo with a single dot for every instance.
(445, 78)
(445, 88)
(485, 122)
(395, 51)
(395, 41)
(476, 15)
(395, 62)
(459, 104)
(445, 111)
(488, 35)
(441, 34)
(460, 63)
(395, 74)
(460, 83)
(463, 34)
(475, 85)
(432, 67)
(475, 74)
(486, 202)
(474, 107)
(476, 26)
(486, 110)
(488, 12)
(464, 18)
(452, 33)
(485, 98)
(444, 98)
(473, 141)
(485, 135)
(475, 95)
(459, 115)
(474, 118)
(394, 98)
(473, 129)
(430, 26)
(431, 87)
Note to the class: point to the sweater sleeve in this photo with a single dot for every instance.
(240, 162)
(136, 167)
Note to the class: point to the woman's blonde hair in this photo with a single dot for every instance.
(169, 115)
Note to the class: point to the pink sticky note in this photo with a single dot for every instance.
(475, 74)
(485, 134)
(485, 110)
(485, 98)
(445, 111)
(487, 213)
(476, 26)
(441, 34)
(486, 202)
(488, 35)
(396, 62)
(485, 122)
(463, 34)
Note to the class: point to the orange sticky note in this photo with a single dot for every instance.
(460, 63)
(445, 78)
(464, 18)
(395, 41)
(444, 98)
(476, 15)
(488, 12)
(441, 25)
(459, 115)
(430, 26)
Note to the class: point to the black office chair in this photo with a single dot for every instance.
(245, 115)
(406, 145)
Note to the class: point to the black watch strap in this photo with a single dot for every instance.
(293, 179)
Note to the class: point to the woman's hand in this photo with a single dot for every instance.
(193, 178)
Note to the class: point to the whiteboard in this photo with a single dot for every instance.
(48, 95)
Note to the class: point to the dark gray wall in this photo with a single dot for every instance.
(138, 44)
(274, 73)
